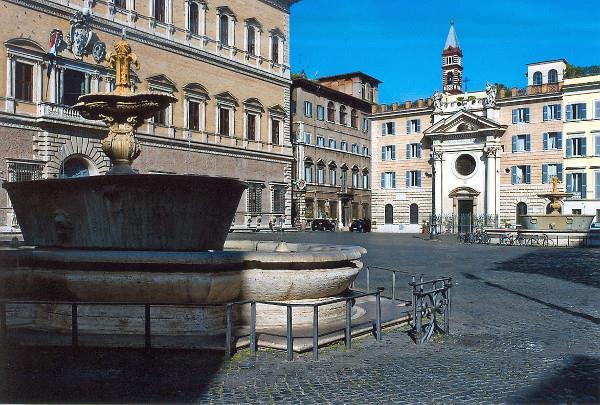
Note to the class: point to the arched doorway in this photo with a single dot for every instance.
(74, 167)
(389, 214)
(414, 213)
(464, 202)
(521, 210)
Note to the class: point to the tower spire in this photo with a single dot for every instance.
(452, 69)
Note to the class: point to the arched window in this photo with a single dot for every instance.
(355, 177)
(330, 112)
(553, 76)
(521, 210)
(354, 118)
(194, 22)
(414, 213)
(450, 78)
(537, 78)
(74, 167)
(389, 214)
(343, 115)
(365, 182)
(320, 172)
(333, 174)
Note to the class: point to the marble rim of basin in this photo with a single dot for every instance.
(557, 222)
(142, 105)
(141, 212)
(177, 277)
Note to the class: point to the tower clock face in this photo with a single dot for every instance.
(465, 165)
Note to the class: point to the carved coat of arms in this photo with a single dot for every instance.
(80, 34)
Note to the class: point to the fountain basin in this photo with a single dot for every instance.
(579, 223)
(143, 105)
(137, 212)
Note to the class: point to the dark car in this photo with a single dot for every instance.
(360, 225)
(322, 225)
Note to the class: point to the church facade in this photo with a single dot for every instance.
(474, 158)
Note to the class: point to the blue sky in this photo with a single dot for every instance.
(400, 42)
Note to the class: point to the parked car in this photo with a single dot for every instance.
(595, 226)
(322, 225)
(360, 225)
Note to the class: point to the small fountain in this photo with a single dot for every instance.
(144, 238)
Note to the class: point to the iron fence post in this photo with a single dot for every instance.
(378, 315)
(316, 332)
(348, 324)
(413, 299)
(229, 330)
(74, 331)
(368, 279)
(290, 335)
(147, 328)
(253, 328)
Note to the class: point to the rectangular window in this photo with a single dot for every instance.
(552, 112)
(121, 4)
(159, 10)
(354, 148)
(251, 127)
(223, 121)
(413, 126)
(552, 140)
(597, 179)
(320, 112)
(413, 178)
(308, 172)
(160, 117)
(521, 174)
(224, 30)
(365, 181)
(307, 138)
(576, 147)
(279, 199)
(24, 171)
(73, 86)
(365, 151)
(293, 107)
(24, 82)
(576, 111)
(365, 124)
(413, 151)
(577, 184)
(549, 171)
(320, 141)
(194, 115)
(332, 177)
(275, 49)
(307, 109)
(597, 144)
(521, 143)
(388, 128)
(344, 146)
(597, 109)
(251, 37)
(254, 201)
(520, 115)
(354, 178)
(320, 174)
(275, 131)
(332, 143)
(388, 180)
(388, 152)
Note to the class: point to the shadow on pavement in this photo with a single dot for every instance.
(58, 374)
(578, 382)
(545, 303)
(566, 264)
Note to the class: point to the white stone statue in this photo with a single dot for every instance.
(490, 91)
(437, 100)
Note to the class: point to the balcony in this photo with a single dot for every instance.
(58, 111)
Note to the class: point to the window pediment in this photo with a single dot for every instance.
(162, 82)
(24, 44)
(227, 97)
(253, 22)
(224, 10)
(254, 103)
(276, 32)
(196, 89)
(277, 109)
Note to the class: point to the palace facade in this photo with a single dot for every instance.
(331, 141)
(481, 158)
(226, 61)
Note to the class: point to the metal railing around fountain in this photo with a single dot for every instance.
(395, 272)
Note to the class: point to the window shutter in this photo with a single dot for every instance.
(526, 114)
(597, 142)
(393, 152)
(419, 150)
(559, 140)
(597, 116)
(546, 108)
(515, 116)
(559, 172)
(597, 174)
(382, 180)
(528, 143)
(418, 178)
(514, 143)
(407, 179)
(513, 175)
(528, 174)
(583, 147)
(393, 128)
(544, 173)
(584, 185)
(383, 153)
(383, 129)
(393, 179)
(418, 125)
(408, 127)
(583, 112)
(558, 112)
(569, 148)
(570, 183)
(545, 140)
(408, 151)
(569, 112)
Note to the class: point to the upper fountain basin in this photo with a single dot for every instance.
(139, 212)
(120, 107)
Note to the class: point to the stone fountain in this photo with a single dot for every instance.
(152, 239)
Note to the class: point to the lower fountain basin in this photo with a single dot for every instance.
(580, 223)
(132, 212)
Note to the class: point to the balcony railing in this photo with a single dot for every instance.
(58, 111)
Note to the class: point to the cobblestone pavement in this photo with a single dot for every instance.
(525, 328)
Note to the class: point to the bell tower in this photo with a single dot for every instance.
(452, 69)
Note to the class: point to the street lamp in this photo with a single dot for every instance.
(433, 221)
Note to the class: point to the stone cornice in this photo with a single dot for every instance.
(133, 34)
(529, 98)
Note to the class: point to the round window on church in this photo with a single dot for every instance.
(465, 165)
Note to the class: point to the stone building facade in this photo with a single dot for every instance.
(477, 157)
(332, 148)
(226, 61)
